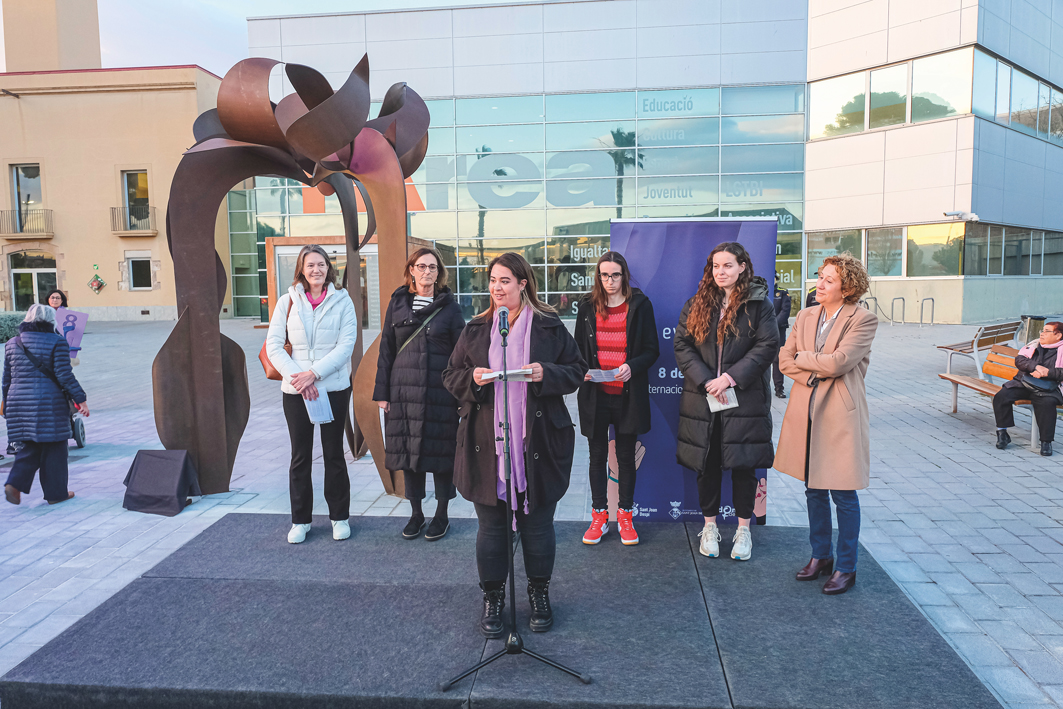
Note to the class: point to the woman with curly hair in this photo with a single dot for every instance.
(725, 344)
(825, 438)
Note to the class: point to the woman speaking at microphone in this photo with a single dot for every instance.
(542, 434)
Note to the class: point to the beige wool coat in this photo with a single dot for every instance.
(840, 457)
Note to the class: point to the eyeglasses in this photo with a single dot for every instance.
(426, 267)
(1049, 329)
(611, 276)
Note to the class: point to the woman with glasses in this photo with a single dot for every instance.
(421, 327)
(616, 333)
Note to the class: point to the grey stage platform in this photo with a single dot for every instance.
(238, 618)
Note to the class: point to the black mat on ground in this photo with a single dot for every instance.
(238, 618)
(784, 644)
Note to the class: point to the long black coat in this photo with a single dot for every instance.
(642, 351)
(550, 432)
(747, 358)
(35, 408)
(419, 429)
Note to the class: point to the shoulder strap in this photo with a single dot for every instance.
(415, 332)
(39, 366)
(287, 315)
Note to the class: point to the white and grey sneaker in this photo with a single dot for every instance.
(710, 540)
(341, 529)
(297, 535)
(743, 545)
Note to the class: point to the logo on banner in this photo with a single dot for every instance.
(674, 512)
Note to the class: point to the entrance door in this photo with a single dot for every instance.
(33, 276)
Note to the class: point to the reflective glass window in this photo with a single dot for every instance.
(821, 244)
(270, 226)
(678, 161)
(499, 139)
(1036, 252)
(995, 257)
(497, 111)
(246, 265)
(885, 249)
(491, 167)
(440, 195)
(316, 225)
(590, 107)
(679, 131)
(984, 101)
(270, 181)
(441, 112)
(941, 85)
(598, 192)
(935, 249)
(245, 285)
(566, 304)
(433, 226)
(1052, 261)
(495, 223)
(472, 305)
(836, 107)
(508, 194)
(480, 252)
(1055, 119)
(1003, 110)
(737, 100)
(1044, 106)
(240, 199)
(435, 168)
(1023, 102)
(332, 204)
(271, 201)
(476, 279)
(604, 135)
(762, 129)
(240, 221)
(677, 211)
(577, 249)
(778, 187)
(242, 243)
(1016, 251)
(591, 163)
(440, 141)
(681, 102)
(790, 216)
(889, 96)
(295, 201)
(587, 220)
(570, 277)
(678, 190)
(788, 266)
(762, 158)
(976, 249)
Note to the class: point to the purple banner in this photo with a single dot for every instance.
(667, 260)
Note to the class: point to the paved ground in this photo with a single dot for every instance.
(974, 535)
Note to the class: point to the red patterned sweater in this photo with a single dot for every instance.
(612, 344)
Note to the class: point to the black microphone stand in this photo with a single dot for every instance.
(514, 644)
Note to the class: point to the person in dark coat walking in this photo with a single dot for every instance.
(421, 327)
(1041, 359)
(782, 304)
(615, 330)
(543, 440)
(36, 408)
(725, 343)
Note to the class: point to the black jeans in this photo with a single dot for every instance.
(743, 480)
(1044, 408)
(337, 483)
(415, 489)
(537, 541)
(51, 460)
(607, 411)
(776, 373)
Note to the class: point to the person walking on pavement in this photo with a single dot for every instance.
(421, 327)
(1040, 365)
(320, 324)
(39, 388)
(615, 331)
(782, 304)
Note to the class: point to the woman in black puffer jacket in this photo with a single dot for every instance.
(36, 408)
(421, 327)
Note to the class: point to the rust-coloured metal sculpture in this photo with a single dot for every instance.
(317, 136)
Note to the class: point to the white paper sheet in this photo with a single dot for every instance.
(319, 410)
(514, 375)
(603, 375)
(732, 401)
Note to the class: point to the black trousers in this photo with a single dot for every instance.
(776, 373)
(607, 411)
(51, 460)
(337, 482)
(415, 489)
(537, 541)
(1044, 408)
(743, 480)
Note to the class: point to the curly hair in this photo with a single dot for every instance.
(710, 296)
(854, 276)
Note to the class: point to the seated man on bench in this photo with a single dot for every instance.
(1040, 368)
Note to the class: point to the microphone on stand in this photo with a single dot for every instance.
(503, 321)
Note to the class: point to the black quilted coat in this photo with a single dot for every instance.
(420, 429)
(35, 409)
(747, 358)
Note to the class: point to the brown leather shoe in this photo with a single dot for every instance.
(814, 568)
(840, 582)
(12, 494)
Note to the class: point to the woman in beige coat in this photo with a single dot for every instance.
(824, 439)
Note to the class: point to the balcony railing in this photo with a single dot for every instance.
(26, 221)
(133, 219)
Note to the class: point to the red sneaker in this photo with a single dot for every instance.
(628, 535)
(599, 526)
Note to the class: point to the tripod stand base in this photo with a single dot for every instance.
(514, 646)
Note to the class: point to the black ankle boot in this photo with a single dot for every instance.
(542, 616)
(1003, 439)
(491, 625)
(1046, 448)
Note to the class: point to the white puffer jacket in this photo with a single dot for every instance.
(322, 338)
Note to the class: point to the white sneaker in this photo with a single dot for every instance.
(341, 529)
(743, 545)
(298, 533)
(710, 540)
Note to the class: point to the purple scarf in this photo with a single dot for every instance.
(516, 354)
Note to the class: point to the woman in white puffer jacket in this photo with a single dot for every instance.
(320, 323)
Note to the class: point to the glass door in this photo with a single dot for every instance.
(33, 276)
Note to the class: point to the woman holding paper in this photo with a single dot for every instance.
(320, 324)
(617, 336)
(421, 327)
(825, 436)
(542, 440)
(725, 344)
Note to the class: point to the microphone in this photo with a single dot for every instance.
(503, 321)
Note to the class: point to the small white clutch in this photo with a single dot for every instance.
(715, 405)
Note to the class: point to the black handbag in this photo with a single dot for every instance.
(1034, 384)
(48, 373)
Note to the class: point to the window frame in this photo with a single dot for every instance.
(129, 267)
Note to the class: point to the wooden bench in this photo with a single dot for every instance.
(984, 339)
(999, 362)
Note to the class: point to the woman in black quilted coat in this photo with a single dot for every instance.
(37, 382)
(421, 326)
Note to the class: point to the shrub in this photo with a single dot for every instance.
(9, 324)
